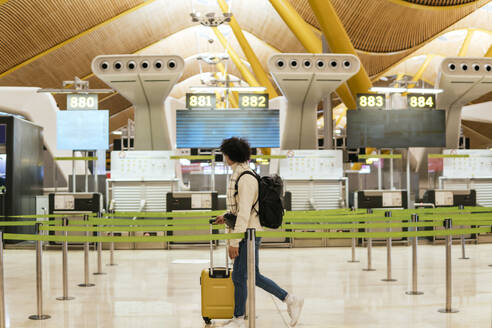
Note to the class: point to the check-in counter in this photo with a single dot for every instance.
(188, 202)
(74, 206)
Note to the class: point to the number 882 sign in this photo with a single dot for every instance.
(253, 100)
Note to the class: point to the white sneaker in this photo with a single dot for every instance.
(294, 308)
(236, 323)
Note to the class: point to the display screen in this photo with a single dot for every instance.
(396, 128)
(253, 100)
(3, 134)
(371, 101)
(207, 128)
(82, 129)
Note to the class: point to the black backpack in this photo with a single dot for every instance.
(270, 190)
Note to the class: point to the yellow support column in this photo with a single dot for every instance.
(421, 71)
(302, 30)
(466, 43)
(249, 53)
(247, 75)
(339, 41)
(489, 52)
(309, 40)
(233, 96)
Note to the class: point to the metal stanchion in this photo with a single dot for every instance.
(86, 260)
(449, 284)
(251, 239)
(463, 254)
(389, 241)
(369, 248)
(414, 291)
(39, 280)
(2, 289)
(353, 260)
(65, 296)
(111, 248)
(99, 253)
(111, 252)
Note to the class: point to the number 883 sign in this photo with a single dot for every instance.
(371, 101)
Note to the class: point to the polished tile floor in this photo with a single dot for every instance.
(158, 288)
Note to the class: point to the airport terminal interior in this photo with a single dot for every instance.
(124, 127)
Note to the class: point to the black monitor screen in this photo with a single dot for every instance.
(207, 128)
(396, 128)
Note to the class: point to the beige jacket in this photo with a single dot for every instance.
(242, 204)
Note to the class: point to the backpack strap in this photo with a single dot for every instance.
(257, 178)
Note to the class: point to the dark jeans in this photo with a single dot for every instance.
(240, 277)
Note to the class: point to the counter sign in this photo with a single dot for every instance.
(200, 100)
(420, 101)
(253, 100)
(371, 101)
(77, 101)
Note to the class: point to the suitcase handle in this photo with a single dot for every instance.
(212, 221)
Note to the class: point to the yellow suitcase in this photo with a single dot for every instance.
(217, 291)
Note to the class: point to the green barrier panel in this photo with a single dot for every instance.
(146, 222)
(193, 157)
(384, 156)
(209, 237)
(162, 214)
(104, 239)
(44, 216)
(447, 156)
(27, 223)
(342, 219)
(75, 158)
(120, 229)
(359, 226)
(381, 235)
(325, 212)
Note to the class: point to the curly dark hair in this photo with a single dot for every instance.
(237, 149)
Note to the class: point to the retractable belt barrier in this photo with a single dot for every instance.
(286, 234)
(346, 222)
(28, 223)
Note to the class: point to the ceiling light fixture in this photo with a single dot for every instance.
(213, 89)
(401, 90)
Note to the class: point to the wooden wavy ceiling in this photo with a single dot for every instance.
(28, 27)
(382, 31)
(443, 3)
(385, 27)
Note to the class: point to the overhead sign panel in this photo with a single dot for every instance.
(396, 128)
(253, 100)
(420, 101)
(200, 100)
(371, 101)
(207, 128)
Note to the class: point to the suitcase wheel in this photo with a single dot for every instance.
(207, 320)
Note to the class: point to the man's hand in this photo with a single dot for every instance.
(219, 220)
(233, 252)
